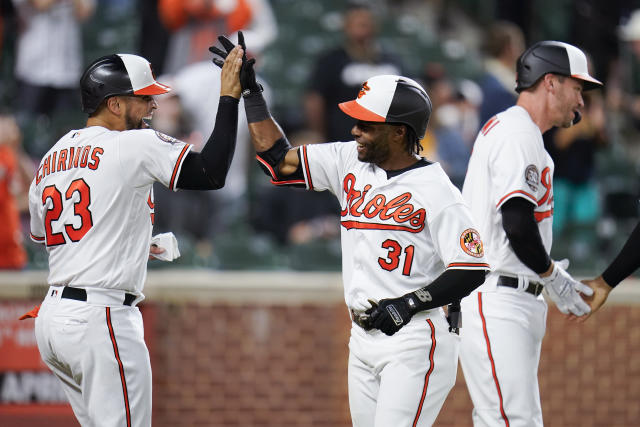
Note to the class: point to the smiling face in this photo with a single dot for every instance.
(568, 99)
(139, 111)
(373, 141)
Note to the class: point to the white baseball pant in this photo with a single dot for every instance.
(99, 354)
(402, 380)
(501, 338)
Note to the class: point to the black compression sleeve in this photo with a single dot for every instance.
(627, 261)
(522, 231)
(208, 169)
(450, 286)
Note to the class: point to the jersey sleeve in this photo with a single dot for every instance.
(37, 233)
(321, 164)
(147, 156)
(513, 169)
(456, 239)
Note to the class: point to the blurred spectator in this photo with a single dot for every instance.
(6, 12)
(49, 53)
(575, 194)
(339, 73)
(503, 45)
(623, 86)
(453, 124)
(195, 24)
(153, 37)
(16, 171)
(295, 215)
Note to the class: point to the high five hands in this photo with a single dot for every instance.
(229, 82)
(248, 80)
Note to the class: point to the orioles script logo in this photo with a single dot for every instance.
(398, 209)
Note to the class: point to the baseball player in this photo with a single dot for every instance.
(409, 244)
(91, 205)
(508, 187)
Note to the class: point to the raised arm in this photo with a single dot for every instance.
(274, 152)
(208, 169)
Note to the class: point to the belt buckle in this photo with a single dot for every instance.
(537, 290)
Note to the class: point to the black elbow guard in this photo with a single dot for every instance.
(271, 159)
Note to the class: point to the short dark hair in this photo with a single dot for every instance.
(500, 35)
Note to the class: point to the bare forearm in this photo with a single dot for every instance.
(264, 133)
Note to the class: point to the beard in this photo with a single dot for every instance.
(132, 123)
(376, 151)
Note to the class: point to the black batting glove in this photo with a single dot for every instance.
(217, 51)
(248, 80)
(392, 314)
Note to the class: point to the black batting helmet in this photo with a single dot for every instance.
(391, 99)
(118, 74)
(552, 57)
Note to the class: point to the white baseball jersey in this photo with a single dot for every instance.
(509, 160)
(91, 204)
(399, 233)
(503, 326)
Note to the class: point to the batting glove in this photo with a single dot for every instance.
(247, 74)
(565, 291)
(391, 314)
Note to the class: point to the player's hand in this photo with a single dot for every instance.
(600, 293)
(565, 291)
(155, 250)
(247, 74)
(361, 313)
(229, 81)
(390, 315)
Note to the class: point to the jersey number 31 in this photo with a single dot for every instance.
(80, 209)
(392, 261)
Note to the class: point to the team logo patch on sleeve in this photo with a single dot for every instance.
(471, 243)
(532, 177)
(166, 138)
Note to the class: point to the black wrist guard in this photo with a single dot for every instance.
(252, 91)
(417, 300)
(255, 107)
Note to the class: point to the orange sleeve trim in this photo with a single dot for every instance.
(177, 166)
(529, 196)
(290, 182)
(36, 238)
(482, 265)
(539, 216)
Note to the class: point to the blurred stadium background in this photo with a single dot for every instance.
(247, 330)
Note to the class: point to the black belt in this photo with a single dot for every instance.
(534, 288)
(81, 295)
